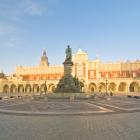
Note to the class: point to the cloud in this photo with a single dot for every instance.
(10, 43)
(33, 9)
(17, 9)
(6, 28)
(9, 35)
(13, 13)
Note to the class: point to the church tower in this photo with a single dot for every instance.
(44, 59)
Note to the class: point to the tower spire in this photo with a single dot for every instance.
(44, 59)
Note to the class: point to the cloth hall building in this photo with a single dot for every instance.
(95, 76)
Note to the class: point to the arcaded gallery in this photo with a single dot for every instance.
(95, 76)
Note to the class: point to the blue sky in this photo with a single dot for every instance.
(107, 28)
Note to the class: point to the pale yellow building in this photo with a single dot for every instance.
(95, 76)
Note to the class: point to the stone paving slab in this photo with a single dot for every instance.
(104, 127)
(125, 104)
(54, 108)
(80, 126)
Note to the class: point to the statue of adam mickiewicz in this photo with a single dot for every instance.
(68, 53)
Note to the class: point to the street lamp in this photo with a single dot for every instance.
(45, 88)
(106, 86)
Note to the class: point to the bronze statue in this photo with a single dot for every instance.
(68, 53)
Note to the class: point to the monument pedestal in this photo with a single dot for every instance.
(68, 83)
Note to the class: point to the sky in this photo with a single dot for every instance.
(109, 29)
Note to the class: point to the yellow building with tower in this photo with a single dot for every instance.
(95, 76)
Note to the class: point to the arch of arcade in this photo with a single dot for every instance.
(95, 76)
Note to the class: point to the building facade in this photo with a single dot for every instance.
(95, 76)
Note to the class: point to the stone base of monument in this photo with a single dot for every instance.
(68, 84)
(70, 96)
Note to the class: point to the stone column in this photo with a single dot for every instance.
(67, 68)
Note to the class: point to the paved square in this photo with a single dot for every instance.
(108, 105)
(54, 106)
(123, 103)
(114, 125)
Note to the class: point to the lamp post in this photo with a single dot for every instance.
(45, 88)
(106, 86)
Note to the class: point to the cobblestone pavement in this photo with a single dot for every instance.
(117, 104)
(123, 123)
(122, 103)
(97, 127)
(53, 108)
